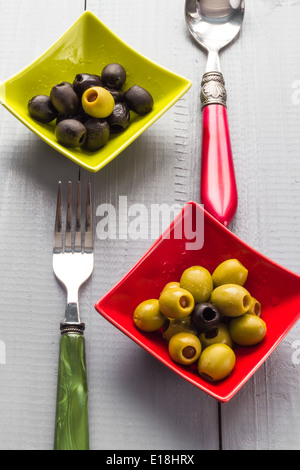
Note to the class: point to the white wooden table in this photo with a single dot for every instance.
(134, 401)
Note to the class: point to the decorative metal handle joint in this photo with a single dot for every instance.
(213, 89)
(72, 328)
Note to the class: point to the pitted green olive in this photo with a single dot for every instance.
(171, 285)
(255, 307)
(216, 362)
(176, 303)
(247, 330)
(230, 271)
(231, 300)
(176, 325)
(147, 316)
(218, 334)
(184, 348)
(97, 102)
(198, 281)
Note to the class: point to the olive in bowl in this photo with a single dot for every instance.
(247, 330)
(71, 133)
(97, 134)
(113, 76)
(41, 109)
(216, 362)
(171, 285)
(231, 300)
(64, 98)
(97, 102)
(177, 325)
(147, 316)
(218, 334)
(198, 281)
(205, 316)
(255, 307)
(83, 81)
(118, 95)
(230, 271)
(184, 348)
(176, 303)
(119, 119)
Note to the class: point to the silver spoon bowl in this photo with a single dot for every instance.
(214, 24)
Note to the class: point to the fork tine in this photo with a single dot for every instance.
(58, 240)
(68, 236)
(78, 237)
(88, 239)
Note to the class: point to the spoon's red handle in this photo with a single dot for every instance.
(218, 184)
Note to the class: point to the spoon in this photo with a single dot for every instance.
(214, 24)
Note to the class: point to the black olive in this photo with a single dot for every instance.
(64, 98)
(77, 116)
(205, 317)
(71, 133)
(118, 95)
(97, 134)
(83, 81)
(139, 100)
(119, 119)
(113, 76)
(41, 108)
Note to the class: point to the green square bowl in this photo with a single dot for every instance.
(86, 47)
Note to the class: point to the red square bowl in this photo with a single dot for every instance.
(196, 238)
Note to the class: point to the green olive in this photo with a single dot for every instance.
(255, 307)
(176, 325)
(171, 285)
(232, 300)
(216, 362)
(198, 281)
(230, 271)
(176, 303)
(184, 348)
(97, 102)
(247, 330)
(147, 316)
(218, 334)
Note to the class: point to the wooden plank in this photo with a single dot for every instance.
(260, 100)
(32, 302)
(136, 403)
(261, 70)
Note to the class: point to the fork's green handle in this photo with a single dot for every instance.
(71, 425)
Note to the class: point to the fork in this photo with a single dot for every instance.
(73, 263)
